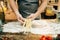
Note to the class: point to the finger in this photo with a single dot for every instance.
(23, 19)
(29, 17)
(20, 21)
(32, 19)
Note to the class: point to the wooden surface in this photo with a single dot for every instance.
(28, 36)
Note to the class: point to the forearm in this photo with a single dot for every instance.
(14, 7)
(41, 8)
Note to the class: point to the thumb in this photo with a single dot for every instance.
(29, 16)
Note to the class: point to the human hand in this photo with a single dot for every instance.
(32, 16)
(20, 19)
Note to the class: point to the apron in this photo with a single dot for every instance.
(27, 7)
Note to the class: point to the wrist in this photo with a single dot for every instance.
(17, 13)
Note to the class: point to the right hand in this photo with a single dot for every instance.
(20, 19)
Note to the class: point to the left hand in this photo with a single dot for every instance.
(32, 16)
